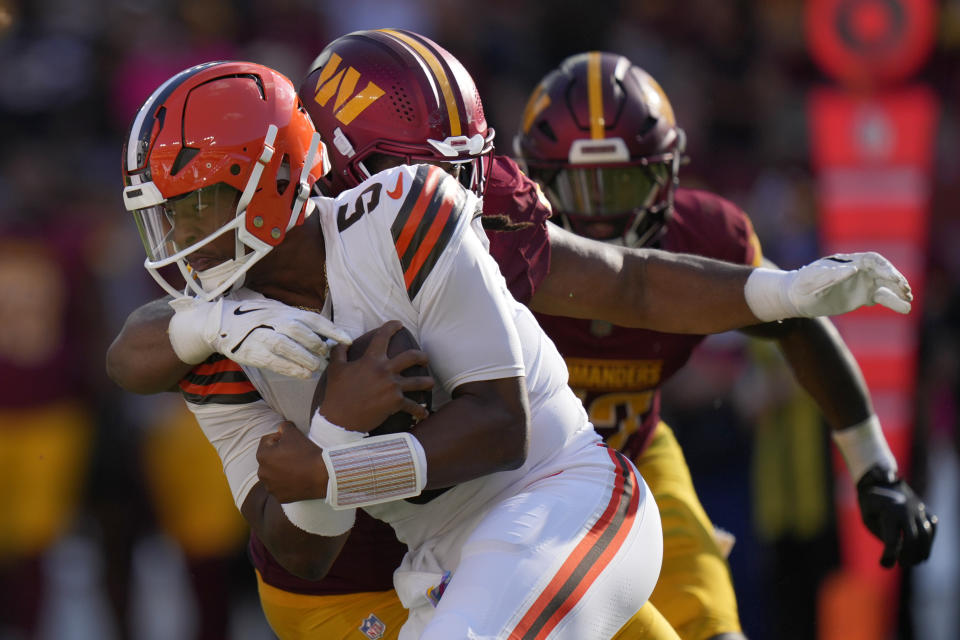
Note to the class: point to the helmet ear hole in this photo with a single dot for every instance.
(183, 158)
(648, 124)
(283, 174)
(547, 130)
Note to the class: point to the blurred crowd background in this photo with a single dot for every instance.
(115, 521)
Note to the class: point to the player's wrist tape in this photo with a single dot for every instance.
(374, 470)
(188, 326)
(864, 446)
(326, 434)
(767, 293)
(316, 516)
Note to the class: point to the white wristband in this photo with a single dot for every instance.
(863, 446)
(316, 516)
(374, 470)
(767, 293)
(326, 434)
(187, 328)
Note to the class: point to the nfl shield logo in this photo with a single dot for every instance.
(436, 592)
(373, 627)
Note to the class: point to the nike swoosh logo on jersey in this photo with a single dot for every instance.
(239, 312)
(397, 191)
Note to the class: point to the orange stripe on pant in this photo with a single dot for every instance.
(590, 557)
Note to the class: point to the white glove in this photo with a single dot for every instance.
(830, 286)
(256, 332)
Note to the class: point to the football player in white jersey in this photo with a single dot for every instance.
(178, 177)
(542, 531)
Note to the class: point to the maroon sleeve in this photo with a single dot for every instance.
(524, 254)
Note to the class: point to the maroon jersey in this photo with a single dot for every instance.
(617, 372)
(372, 552)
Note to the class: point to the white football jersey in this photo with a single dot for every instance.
(407, 245)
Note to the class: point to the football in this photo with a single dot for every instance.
(401, 341)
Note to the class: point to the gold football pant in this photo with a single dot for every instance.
(353, 616)
(379, 615)
(694, 592)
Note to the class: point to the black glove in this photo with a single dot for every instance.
(894, 514)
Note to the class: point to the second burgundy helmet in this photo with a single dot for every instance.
(599, 136)
(395, 93)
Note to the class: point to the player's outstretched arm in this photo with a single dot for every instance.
(642, 288)
(162, 340)
(678, 293)
(826, 369)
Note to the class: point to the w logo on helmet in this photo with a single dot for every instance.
(333, 79)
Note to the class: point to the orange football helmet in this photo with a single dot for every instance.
(219, 147)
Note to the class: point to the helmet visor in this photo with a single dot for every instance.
(603, 191)
(181, 225)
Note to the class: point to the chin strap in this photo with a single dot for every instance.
(213, 277)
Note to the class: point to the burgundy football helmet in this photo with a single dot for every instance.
(599, 136)
(395, 93)
(219, 147)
